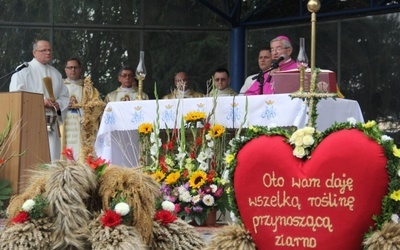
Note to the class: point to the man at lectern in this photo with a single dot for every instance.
(42, 78)
(281, 50)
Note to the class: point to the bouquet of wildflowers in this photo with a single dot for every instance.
(187, 164)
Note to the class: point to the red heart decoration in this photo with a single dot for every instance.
(326, 202)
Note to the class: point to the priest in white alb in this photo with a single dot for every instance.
(84, 112)
(40, 77)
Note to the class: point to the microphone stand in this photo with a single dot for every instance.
(8, 74)
(260, 77)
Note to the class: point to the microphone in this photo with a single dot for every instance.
(24, 65)
(275, 64)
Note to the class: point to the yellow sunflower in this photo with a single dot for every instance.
(194, 116)
(158, 175)
(145, 128)
(172, 178)
(216, 131)
(197, 179)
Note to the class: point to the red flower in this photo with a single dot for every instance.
(111, 219)
(187, 210)
(198, 141)
(162, 164)
(95, 163)
(193, 155)
(211, 175)
(164, 217)
(177, 208)
(21, 217)
(169, 145)
(68, 153)
(185, 173)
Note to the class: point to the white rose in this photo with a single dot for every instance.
(352, 121)
(298, 142)
(168, 205)
(308, 140)
(122, 208)
(299, 152)
(28, 205)
(309, 130)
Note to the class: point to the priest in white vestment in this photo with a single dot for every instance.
(31, 79)
(222, 83)
(183, 88)
(128, 90)
(84, 113)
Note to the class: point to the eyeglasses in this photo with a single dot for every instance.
(43, 50)
(73, 67)
(126, 75)
(278, 49)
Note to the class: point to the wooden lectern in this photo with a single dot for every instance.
(27, 109)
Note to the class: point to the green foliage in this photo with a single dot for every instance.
(39, 209)
(5, 192)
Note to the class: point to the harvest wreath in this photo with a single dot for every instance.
(298, 189)
(304, 145)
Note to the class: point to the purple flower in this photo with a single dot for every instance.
(165, 189)
(207, 190)
(170, 198)
(197, 209)
(219, 192)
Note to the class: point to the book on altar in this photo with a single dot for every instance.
(289, 81)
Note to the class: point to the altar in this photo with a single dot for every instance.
(118, 140)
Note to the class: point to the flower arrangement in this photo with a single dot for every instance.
(302, 139)
(166, 216)
(120, 212)
(187, 164)
(32, 209)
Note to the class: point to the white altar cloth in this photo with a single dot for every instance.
(117, 138)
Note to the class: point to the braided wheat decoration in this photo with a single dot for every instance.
(232, 237)
(178, 235)
(29, 235)
(121, 237)
(388, 238)
(140, 192)
(68, 188)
